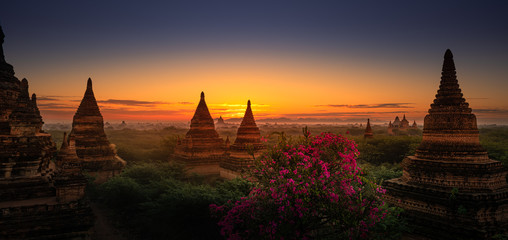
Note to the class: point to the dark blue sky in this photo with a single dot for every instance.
(380, 27)
(47, 37)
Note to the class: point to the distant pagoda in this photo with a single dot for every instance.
(37, 200)
(247, 146)
(368, 131)
(400, 126)
(92, 146)
(450, 189)
(220, 123)
(202, 149)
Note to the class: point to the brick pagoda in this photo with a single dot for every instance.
(202, 149)
(247, 146)
(451, 189)
(98, 156)
(368, 131)
(31, 206)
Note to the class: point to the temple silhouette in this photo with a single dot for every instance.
(204, 152)
(450, 189)
(38, 198)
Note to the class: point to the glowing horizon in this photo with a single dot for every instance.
(342, 61)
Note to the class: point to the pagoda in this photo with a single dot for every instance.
(247, 146)
(400, 126)
(450, 189)
(30, 205)
(220, 123)
(368, 131)
(98, 156)
(202, 149)
(70, 182)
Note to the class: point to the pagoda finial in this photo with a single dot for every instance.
(449, 93)
(24, 88)
(2, 36)
(248, 103)
(448, 64)
(89, 84)
(202, 95)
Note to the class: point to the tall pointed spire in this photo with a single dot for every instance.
(368, 130)
(88, 106)
(248, 118)
(2, 36)
(202, 149)
(4, 66)
(93, 148)
(248, 132)
(451, 159)
(202, 124)
(449, 95)
(247, 146)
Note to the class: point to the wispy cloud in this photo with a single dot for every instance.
(491, 110)
(379, 105)
(185, 103)
(55, 98)
(128, 102)
(341, 114)
(54, 106)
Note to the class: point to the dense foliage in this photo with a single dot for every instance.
(161, 201)
(156, 200)
(311, 189)
(387, 149)
(495, 141)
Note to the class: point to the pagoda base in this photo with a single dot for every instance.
(439, 214)
(208, 166)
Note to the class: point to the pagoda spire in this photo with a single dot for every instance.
(248, 118)
(88, 106)
(2, 36)
(449, 95)
(4, 66)
(202, 125)
(202, 115)
(368, 130)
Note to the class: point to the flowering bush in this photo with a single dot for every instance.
(305, 190)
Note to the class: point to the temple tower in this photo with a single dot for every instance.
(221, 123)
(450, 189)
(202, 149)
(98, 156)
(368, 131)
(29, 205)
(70, 182)
(247, 146)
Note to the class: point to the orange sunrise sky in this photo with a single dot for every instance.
(332, 62)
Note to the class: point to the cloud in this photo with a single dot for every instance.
(54, 97)
(46, 99)
(491, 110)
(339, 114)
(128, 102)
(380, 105)
(185, 103)
(54, 106)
